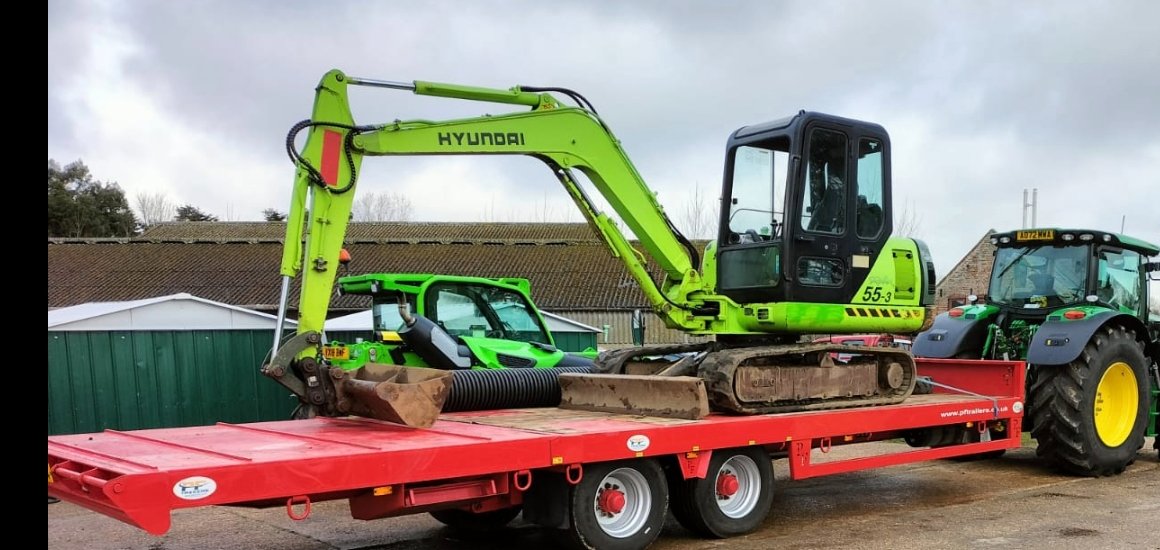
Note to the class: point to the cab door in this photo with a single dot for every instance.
(839, 218)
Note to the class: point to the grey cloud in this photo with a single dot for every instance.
(1073, 86)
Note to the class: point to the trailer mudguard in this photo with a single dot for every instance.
(950, 336)
(1060, 341)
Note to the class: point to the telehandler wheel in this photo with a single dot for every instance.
(733, 499)
(471, 522)
(618, 505)
(1088, 416)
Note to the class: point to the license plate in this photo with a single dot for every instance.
(336, 352)
(1036, 235)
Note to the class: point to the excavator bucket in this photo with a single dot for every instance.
(645, 395)
(411, 396)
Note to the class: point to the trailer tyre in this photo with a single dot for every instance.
(1088, 416)
(472, 522)
(733, 499)
(618, 505)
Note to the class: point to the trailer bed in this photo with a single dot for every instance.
(139, 477)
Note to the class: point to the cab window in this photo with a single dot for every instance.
(1118, 279)
(824, 199)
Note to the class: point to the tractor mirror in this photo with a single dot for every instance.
(1151, 268)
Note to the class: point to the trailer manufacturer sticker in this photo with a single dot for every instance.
(194, 488)
(638, 443)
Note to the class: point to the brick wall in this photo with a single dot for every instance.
(969, 276)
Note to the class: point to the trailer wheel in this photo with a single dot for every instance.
(1088, 416)
(472, 522)
(733, 499)
(618, 505)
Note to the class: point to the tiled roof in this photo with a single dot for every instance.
(378, 232)
(237, 263)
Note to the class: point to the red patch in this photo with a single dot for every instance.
(331, 147)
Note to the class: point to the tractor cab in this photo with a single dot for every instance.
(1079, 277)
(1040, 271)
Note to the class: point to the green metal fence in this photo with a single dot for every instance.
(129, 380)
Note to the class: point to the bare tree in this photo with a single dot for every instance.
(154, 208)
(696, 220)
(382, 207)
(908, 222)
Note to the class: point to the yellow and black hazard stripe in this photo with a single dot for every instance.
(881, 312)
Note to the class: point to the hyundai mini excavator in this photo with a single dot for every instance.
(803, 246)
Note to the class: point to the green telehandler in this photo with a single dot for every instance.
(1073, 303)
(494, 321)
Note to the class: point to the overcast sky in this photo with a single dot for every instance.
(982, 99)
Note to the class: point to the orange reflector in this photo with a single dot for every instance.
(343, 256)
(955, 312)
(1074, 314)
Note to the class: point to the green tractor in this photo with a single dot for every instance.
(451, 323)
(1074, 305)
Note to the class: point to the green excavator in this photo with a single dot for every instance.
(804, 245)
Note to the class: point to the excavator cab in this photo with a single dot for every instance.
(805, 209)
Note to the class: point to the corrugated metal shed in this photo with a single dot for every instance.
(174, 312)
(171, 361)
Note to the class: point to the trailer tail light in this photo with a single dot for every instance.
(1074, 314)
(955, 312)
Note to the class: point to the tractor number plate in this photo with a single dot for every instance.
(336, 352)
(1036, 235)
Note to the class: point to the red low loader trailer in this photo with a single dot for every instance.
(604, 479)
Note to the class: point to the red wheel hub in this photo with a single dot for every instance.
(727, 485)
(611, 501)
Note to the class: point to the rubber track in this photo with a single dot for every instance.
(720, 365)
(1056, 406)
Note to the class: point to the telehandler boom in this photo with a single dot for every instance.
(804, 245)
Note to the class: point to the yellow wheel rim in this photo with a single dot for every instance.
(1117, 403)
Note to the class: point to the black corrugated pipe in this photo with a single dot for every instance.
(486, 389)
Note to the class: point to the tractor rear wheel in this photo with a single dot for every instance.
(1088, 416)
